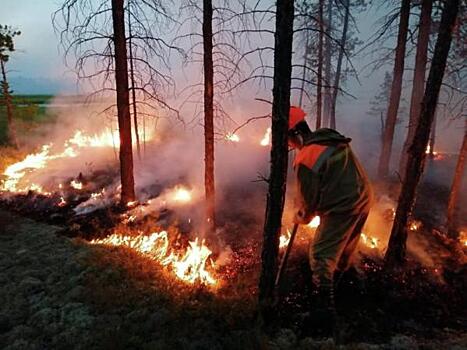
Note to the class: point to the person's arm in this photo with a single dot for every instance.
(307, 196)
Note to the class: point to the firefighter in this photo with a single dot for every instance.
(332, 184)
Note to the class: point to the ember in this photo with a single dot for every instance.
(189, 267)
(76, 185)
(370, 242)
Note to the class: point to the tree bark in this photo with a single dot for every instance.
(396, 251)
(327, 71)
(433, 136)
(456, 187)
(279, 149)
(396, 89)
(11, 130)
(319, 92)
(419, 78)
(335, 90)
(305, 56)
(123, 104)
(208, 116)
(133, 85)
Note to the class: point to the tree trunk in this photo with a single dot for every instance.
(133, 85)
(396, 89)
(279, 150)
(11, 130)
(396, 251)
(346, 3)
(208, 116)
(419, 78)
(433, 136)
(456, 187)
(319, 92)
(123, 104)
(305, 56)
(327, 71)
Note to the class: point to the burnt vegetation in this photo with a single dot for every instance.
(179, 245)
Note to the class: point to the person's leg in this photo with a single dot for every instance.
(325, 250)
(351, 244)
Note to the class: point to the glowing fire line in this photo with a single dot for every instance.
(189, 267)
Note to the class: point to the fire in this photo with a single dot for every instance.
(62, 202)
(189, 266)
(428, 151)
(415, 225)
(284, 239)
(15, 174)
(370, 242)
(266, 140)
(76, 185)
(181, 194)
(233, 137)
(314, 223)
(463, 238)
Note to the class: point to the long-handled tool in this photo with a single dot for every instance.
(285, 257)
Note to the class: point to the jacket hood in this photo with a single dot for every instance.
(325, 135)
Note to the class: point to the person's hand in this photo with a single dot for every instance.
(300, 218)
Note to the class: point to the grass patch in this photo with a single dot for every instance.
(29, 113)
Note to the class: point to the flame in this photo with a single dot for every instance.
(415, 225)
(266, 140)
(463, 238)
(232, 137)
(15, 174)
(76, 185)
(284, 239)
(181, 194)
(189, 267)
(314, 223)
(369, 241)
(62, 202)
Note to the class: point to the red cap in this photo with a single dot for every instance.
(296, 115)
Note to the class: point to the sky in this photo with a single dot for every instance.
(38, 65)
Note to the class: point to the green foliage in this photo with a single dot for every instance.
(7, 33)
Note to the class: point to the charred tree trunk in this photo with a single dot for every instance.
(335, 90)
(11, 130)
(319, 92)
(279, 152)
(123, 104)
(133, 85)
(396, 89)
(395, 254)
(419, 78)
(208, 116)
(456, 187)
(327, 71)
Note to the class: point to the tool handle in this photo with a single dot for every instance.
(280, 272)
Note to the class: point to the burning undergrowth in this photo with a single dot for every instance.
(74, 183)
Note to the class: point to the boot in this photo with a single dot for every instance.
(323, 313)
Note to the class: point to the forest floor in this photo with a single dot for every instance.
(62, 293)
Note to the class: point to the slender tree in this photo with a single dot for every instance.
(396, 251)
(279, 153)
(433, 135)
(340, 57)
(319, 89)
(456, 186)
(123, 103)
(7, 46)
(133, 82)
(419, 77)
(208, 115)
(396, 89)
(328, 65)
